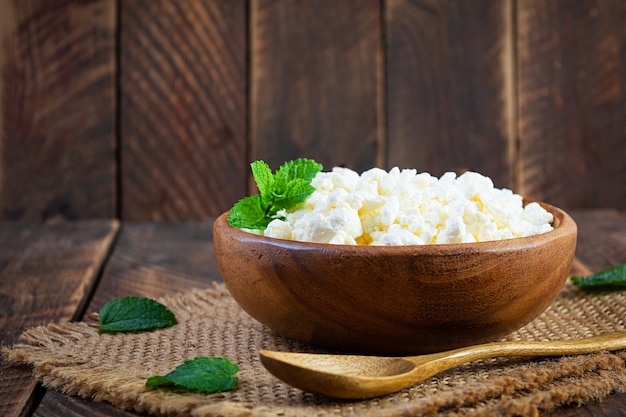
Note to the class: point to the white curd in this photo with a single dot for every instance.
(403, 207)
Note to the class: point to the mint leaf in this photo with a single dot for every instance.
(297, 192)
(204, 374)
(129, 314)
(248, 213)
(284, 190)
(263, 177)
(301, 168)
(610, 279)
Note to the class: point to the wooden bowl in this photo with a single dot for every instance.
(395, 299)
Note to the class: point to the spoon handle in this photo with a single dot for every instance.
(607, 341)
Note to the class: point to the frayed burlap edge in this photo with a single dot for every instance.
(503, 388)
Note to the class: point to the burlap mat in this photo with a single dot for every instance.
(75, 359)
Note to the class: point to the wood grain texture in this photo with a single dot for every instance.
(47, 272)
(611, 406)
(316, 79)
(601, 238)
(150, 260)
(56, 404)
(459, 294)
(57, 109)
(572, 102)
(183, 108)
(368, 376)
(450, 104)
(153, 260)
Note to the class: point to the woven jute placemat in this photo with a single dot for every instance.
(76, 359)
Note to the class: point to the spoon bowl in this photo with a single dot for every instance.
(359, 377)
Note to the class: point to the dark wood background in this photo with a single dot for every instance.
(153, 109)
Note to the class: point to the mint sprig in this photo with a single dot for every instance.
(204, 374)
(129, 314)
(607, 280)
(283, 190)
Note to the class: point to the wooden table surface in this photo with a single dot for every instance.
(58, 271)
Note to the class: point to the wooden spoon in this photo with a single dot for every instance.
(356, 377)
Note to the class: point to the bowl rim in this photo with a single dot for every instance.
(563, 223)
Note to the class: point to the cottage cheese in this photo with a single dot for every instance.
(403, 207)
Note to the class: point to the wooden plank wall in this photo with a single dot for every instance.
(572, 101)
(57, 109)
(183, 108)
(152, 109)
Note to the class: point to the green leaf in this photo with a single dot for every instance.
(158, 381)
(204, 374)
(129, 314)
(290, 186)
(296, 193)
(608, 280)
(263, 177)
(301, 168)
(248, 214)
